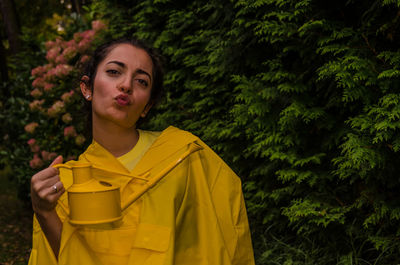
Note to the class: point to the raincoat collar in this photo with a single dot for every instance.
(169, 142)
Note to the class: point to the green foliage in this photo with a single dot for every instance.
(300, 98)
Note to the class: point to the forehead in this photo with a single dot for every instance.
(131, 56)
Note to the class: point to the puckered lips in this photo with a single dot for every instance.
(122, 100)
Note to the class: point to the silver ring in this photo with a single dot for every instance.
(55, 189)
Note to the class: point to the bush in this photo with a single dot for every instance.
(49, 109)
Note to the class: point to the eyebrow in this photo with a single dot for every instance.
(139, 71)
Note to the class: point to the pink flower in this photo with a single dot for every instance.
(88, 34)
(70, 43)
(78, 37)
(60, 42)
(80, 139)
(84, 45)
(56, 108)
(62, 70)
(49, 44)
(30, 128)
(85, 41)
(70, 52)
(84, 58)
(31, 142)
(66, 97)
(36, 162)
(60, 59)
(36, 93)
(98, 25)
(47, 156)
(48, 87)
(67, 118)
(38, 71)
(36, 104)
(38, 82)
(50, 75)
(47, 67)
(69, 131)
(33, 146)
(53, 53)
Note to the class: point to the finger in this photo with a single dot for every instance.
(50, 171)
(45, 177)
(45, 174)
(48, 191)
(50, 182)
(57, 187)
(55, 193)
(57, 160)
(44, 180)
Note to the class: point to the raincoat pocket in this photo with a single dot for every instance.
(150, 245)
(110, 246)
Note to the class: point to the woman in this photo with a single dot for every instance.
(195, 215)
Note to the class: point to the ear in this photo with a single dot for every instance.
(85, 88)
(146, 109)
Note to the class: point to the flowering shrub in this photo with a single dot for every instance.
(56, 125)
(30, 128)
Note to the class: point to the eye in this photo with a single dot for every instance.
(112, 72)
(143, 82)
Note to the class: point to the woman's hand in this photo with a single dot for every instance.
(46, 189)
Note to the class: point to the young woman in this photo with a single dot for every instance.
(194, 215)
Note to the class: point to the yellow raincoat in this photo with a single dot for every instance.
(195, 215)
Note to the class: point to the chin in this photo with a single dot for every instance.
(119, 120)
(125, 124)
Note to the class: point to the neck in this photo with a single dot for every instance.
(118, 141)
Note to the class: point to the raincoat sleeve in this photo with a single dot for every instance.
(77, 251)
(212, 225)
(42, 254)
(231, 213)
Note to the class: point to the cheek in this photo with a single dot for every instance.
(144, 96)
(100, 89)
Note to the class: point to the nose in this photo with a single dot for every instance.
(125, 86)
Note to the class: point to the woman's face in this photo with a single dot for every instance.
(122, 87)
